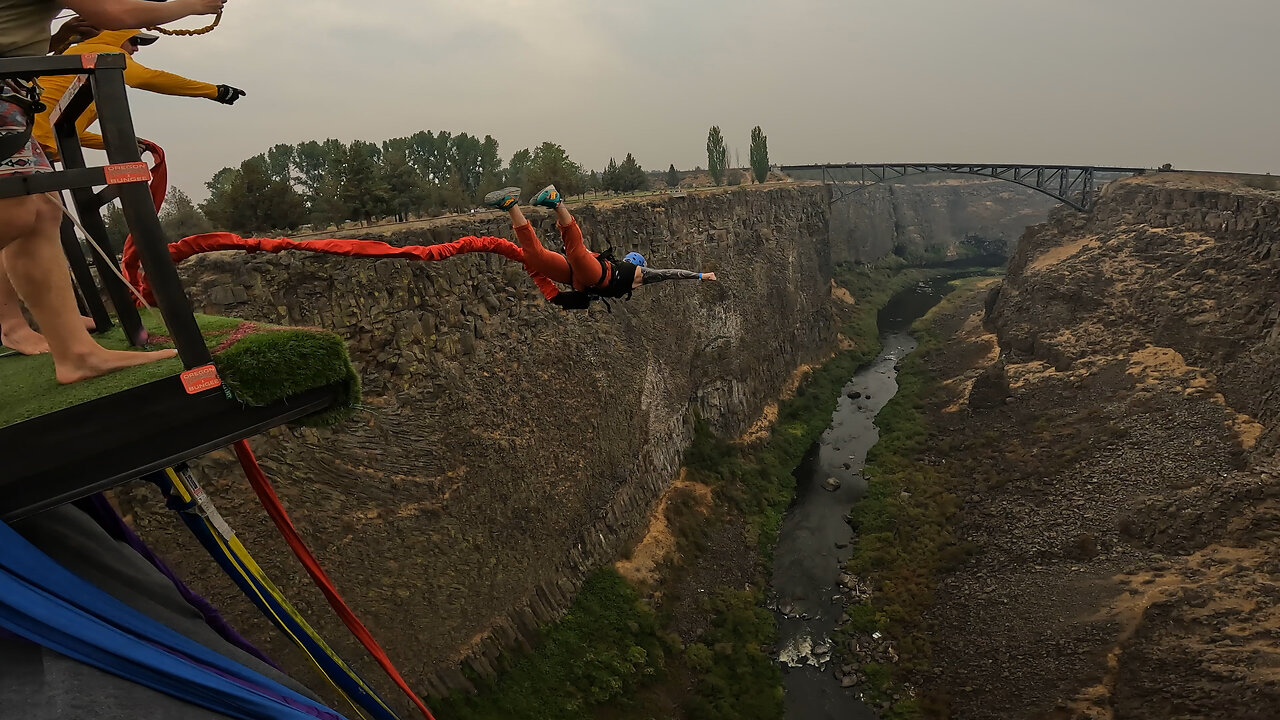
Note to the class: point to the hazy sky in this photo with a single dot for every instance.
(1118, 82)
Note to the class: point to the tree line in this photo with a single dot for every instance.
(323, 183)
(428, 173)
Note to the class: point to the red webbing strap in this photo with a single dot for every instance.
(131, 262)
(212, 242)
(270, 501)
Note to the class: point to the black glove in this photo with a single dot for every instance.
(572, 300)
(228, 95)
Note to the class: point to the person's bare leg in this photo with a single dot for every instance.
(563, 217)
(15, 332)
(33, 257)
(517, 217)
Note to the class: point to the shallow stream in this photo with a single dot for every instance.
(814, 542)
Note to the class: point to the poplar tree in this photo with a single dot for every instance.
(717, 154)
(759, 154)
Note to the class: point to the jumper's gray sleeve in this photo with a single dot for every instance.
(649, 276)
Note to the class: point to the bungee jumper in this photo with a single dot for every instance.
(593, 276)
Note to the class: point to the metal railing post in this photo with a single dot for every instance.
(140, 213)
(87, 288)
(90, 214)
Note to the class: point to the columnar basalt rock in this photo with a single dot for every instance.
(506, 447)
(1189, 265)
(932, 217)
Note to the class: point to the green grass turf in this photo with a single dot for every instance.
(260, 369)
(270, 366)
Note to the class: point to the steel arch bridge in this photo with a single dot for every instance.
(1074, 185)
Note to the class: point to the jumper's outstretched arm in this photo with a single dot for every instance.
(649, 275)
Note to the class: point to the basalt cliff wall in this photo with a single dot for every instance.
(1190, 263)
(505, 448)
(932, 218)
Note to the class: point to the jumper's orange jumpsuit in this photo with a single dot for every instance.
(578, 266)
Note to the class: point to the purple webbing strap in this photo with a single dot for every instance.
(98, 508)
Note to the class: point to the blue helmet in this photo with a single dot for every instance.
(635, 258)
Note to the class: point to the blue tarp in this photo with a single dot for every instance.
(46, 604)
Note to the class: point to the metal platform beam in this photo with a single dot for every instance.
(120, 437)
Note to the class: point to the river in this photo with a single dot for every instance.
(815, 538)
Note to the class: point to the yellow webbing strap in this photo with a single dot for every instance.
(267, 592)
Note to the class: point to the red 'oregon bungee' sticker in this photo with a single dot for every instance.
(122, 173)
(197, 380)
(89, 61)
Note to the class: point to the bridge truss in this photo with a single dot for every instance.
(1074, 185)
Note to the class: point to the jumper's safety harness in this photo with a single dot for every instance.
(617, 279)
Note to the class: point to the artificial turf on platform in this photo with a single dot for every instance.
(264, 366)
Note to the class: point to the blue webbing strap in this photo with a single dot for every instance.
(46, 604)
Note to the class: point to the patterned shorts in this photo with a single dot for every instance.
(29, 160)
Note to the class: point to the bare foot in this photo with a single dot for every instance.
(24, 340)
(103, 362)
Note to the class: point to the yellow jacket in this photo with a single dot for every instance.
(136, 75)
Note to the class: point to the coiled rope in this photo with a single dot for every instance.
(189, 33)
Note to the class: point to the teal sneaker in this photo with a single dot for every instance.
(503, 199)
(548, 197)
